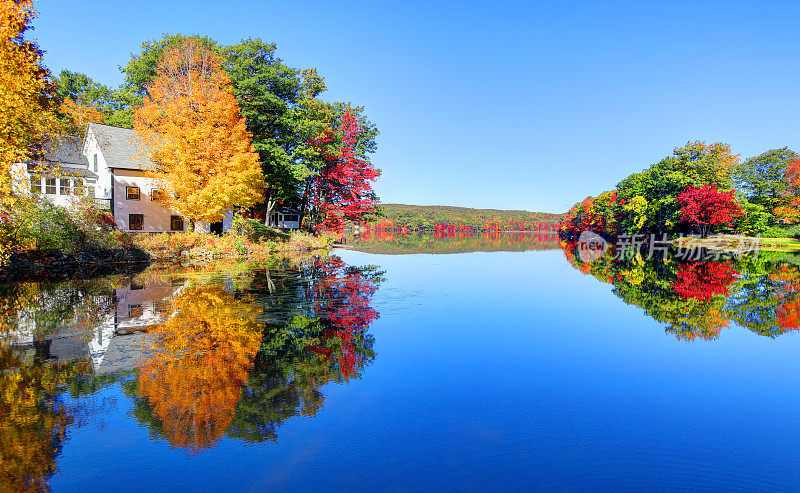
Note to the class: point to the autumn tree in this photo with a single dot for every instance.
(763, 177)
(190, 128)
(790, 210)
(279, 103)
(79, 115)
(85, 100)
(25, 91)
(706, 206)
(342, 189)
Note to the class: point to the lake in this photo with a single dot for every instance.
(408, 362)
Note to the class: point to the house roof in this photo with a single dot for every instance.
(63, 149)
(49, 168)
(286, 210)
(118, 147)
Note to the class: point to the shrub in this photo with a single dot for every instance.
(254, 229)
(36, 224)
(780, 231)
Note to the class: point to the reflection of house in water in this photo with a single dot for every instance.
(117, 341)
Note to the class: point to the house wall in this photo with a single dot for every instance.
(277, 221)
(156, 216)
(21, 183)
(90, 148)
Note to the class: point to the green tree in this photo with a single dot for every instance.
(763, 178)
(280, 104)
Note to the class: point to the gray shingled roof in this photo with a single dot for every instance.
(63, 149)
(48, 168)
(118, 147)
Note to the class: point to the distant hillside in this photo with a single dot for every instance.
(442, 217)
(442, 242)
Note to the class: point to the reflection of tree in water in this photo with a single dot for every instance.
(33, 419)
(245, 361)
(696, 300)
(194, 373)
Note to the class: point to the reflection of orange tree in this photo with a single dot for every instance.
(195, 373)
(33, 422)
(788, 313)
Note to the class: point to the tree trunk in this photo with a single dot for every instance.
(305, 200)
(270, 205)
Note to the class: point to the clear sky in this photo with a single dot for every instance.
(512, 105)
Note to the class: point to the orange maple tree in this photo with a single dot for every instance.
(791, 212)
(191, 129)
(25, 92)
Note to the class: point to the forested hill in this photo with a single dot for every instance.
(441, 217)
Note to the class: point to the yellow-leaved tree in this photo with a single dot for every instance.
(25, 92)
(80, 115)
(190, 128)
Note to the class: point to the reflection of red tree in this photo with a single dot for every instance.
(344, 303)
(703, 280)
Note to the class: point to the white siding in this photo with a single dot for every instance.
(21, 182)
(156, 216)
(90, 149)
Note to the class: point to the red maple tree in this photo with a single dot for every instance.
(342, 190)
(706, 206)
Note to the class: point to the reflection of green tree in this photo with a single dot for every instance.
(753, 298)
(287, 377)
(49, 306)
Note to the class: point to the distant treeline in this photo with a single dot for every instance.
(440, 242)
(447, 218)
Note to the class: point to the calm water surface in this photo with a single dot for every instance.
(393, 370)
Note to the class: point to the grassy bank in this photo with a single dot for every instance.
(202, 247)
(38, 239)
(735, 243)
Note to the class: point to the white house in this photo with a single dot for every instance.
(106, 166)
(285, 218)
(60, 173)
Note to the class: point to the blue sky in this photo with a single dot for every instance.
(513, 105)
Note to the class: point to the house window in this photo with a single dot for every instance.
(135, 311)
(135, 222)
(156, 195)
(136, 287)
(78, 186)
(95, 163)
(91, 191)
(36, 184)
(132, 193)
(50, 186)
(176, 223)
(290, 217)
(64, 189)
